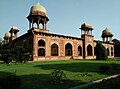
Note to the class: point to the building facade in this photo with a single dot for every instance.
(50, 46)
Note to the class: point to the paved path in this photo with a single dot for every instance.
(91, 83)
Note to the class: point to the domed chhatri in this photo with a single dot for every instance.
(38, 8)
(38, 15)
(85, 25)
(107, 32)
(7, 35)
(86, 29)
(15, 28)
(107, 35)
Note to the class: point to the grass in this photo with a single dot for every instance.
(36, 75)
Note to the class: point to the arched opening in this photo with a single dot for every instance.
(41, 43)
(89, 50)
(111, 51)
(68, 49)
(34, 25)
(108, 53)
(54, 50)
(95, 50)
(79, 51)
(41, 25)
(41, 52)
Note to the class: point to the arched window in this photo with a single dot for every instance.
(89, 50)
(68, 49)
(111, 51)
(108, 53)
(54, 50)
(79, 51)
(41, 52)
(41, 43)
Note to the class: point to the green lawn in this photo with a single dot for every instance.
(36, 75)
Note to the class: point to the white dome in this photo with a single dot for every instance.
(38, 7)
(107, 31)
(14, 27)
(7, 35)
(86, 25)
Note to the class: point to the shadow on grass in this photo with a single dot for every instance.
(40, 81)
(43, 81)
(74, 67)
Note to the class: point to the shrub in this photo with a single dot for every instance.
(58, 76)
(10, 82)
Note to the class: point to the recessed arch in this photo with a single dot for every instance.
(89, 50)
(54, 50)
(111, 48)
(95, 50)
(68, 49)
(108, 53)
(79, 50)
(41, 52)
(111, 51)
(41, 43)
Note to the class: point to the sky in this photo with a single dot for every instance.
(66, 16)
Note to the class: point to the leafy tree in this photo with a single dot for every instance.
(21, 54)
(1, 48)
(101, 52)
(116, 47)
(18, 53)
(1, 42)
(7, 56)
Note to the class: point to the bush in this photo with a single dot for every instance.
(58, 76)
(10, 82)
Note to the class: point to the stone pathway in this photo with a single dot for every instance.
(97, 81)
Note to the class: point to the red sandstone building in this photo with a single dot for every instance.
(50, 46)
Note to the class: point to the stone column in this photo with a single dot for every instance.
(32, 23)
(29, 25)
(110, 39)
(38, 23)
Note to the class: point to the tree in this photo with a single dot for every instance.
(101, 52)
(18, 53)
(116, 47)
(1, 48)
(7, 56)
(22, 54)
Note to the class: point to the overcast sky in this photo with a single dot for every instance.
(66, 16)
